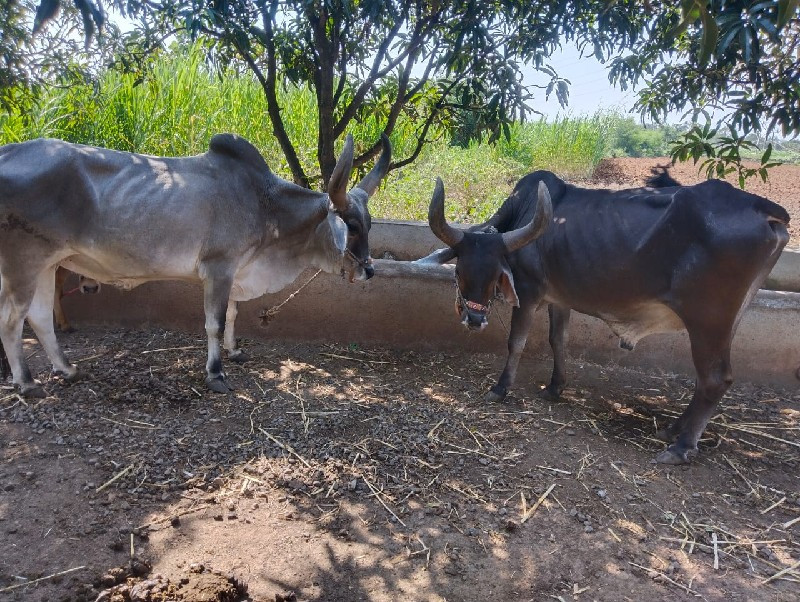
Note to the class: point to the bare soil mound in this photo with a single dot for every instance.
(782, 186)
(343, 473)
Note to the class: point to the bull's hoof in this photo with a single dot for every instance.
(551, 393)
(73, 375)
(218, 384)
(495, 395)
(238, 356)
(672, 455)
(32, 390)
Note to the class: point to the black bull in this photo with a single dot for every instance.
(643, 260)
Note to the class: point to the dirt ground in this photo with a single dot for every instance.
(782, 185)
(344, 473)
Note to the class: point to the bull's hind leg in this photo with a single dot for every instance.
(40, 317)
(521, 322)
(58, 310)
(216, 291)
(711, 351)
(229, 338)
(15, 299)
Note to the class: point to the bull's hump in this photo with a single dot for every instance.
(237, 148)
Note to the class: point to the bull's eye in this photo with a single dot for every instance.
(352, 229)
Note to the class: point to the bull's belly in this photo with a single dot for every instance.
(634, 322)
(124, 276)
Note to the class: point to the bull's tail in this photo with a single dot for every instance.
(660, 178)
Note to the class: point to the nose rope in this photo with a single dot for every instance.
(474, 306)
(360, 262)
(71, 291)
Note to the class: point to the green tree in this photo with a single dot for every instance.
(740, 59)
(464, 57)
(384, 57)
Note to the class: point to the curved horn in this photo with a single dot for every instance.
(520, 237)
(337, 185)
(373, 179)
(439, 226)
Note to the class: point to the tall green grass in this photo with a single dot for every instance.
(181, 103)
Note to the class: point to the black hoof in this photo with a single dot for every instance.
(69, 377)
(33, 390)
(218, 384)
(673, 455)
(238, 356)
(551, 393)
(66, 329)
(495, 395)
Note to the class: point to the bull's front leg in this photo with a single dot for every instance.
(216, 291)
(559, 323)
(521, 322)
(229, 339)
(15, 299)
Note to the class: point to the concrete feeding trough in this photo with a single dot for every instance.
(411, 306)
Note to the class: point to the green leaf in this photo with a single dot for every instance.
(767, 153)
(710, 37)
(786, 10)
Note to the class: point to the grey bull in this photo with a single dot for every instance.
(222, 218)
(644, 260)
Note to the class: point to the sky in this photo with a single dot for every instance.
(589, 91)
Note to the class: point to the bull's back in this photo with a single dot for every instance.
(614, 255)
(591, 252)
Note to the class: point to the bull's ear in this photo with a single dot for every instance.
(506, 286)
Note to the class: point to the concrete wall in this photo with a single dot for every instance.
(414, 308)
(407, 241)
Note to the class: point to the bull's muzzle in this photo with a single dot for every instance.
(359, 269)
(474, 316)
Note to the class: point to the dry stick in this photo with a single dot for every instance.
(685, 588)
(529, 513)
(789, 523)
(119, 475)
(425, 550)
(131, 426)
(433, 430)
(285, 446)
(780, 574)
(716, 550)
(170, 517)
(775, 505)
(377, 495)
(744, 478)
(466, 449)
(10, 587)
(354, 359)
(171, 349)
(553, 469)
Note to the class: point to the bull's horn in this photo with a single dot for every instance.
(373, 179)
(439, 226)
(520, 237)
(337, 185)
